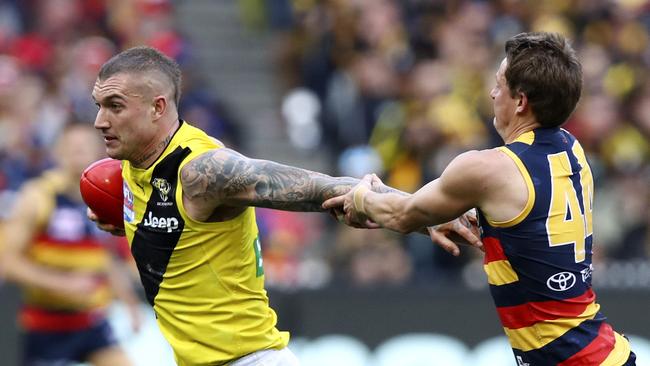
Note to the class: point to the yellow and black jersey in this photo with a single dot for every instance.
(204, 280)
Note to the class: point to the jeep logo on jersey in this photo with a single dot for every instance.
(169, 223)
(561, 281)
(163, 187)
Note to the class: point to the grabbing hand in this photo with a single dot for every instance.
(462, 230)
(349, 207)
(103, 226)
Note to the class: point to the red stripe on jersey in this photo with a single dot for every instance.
(87, 242)
(525, 315)
(596, 351)
(43, 320)
(493, 250)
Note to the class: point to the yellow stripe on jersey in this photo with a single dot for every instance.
(620, 353)
(531, 191)
(98, 298)
(527, 138)
(540, 334)
(500, 273)
(89, 259)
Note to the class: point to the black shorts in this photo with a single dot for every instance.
(64, 348)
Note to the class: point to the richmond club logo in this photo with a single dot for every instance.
(163, 187)
(561, 281)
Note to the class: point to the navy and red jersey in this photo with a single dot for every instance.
(67, 242)
(539, 264)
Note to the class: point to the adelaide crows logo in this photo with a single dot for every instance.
(163, 187)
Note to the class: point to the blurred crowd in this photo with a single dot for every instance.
(392, 87)
(50, 53)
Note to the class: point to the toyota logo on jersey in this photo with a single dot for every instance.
(561, 281)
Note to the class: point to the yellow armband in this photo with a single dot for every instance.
(359, 195)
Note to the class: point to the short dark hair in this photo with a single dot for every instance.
(545, 68)
(144, 59)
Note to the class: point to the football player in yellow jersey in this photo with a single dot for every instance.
(65, 266)
(188, 215)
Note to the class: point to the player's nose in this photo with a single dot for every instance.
(101, 122)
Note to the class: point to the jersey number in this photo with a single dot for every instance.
(568, 223)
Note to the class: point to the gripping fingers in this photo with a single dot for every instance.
(104, 227)
(443, 242)
(91, 215)
(468, 235)
(334, 202)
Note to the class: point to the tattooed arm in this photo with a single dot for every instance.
(224, 177)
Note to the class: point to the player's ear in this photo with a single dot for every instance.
(159, 106)
(522, 102)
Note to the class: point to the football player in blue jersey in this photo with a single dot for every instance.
(534, 198)
(68, 270)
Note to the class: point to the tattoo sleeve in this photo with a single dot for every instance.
(226, 177)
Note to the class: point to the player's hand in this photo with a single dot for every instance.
(463, 230)
(344, 208)
(103, 226)
(135, 315)
(376, 183)
(73, 287)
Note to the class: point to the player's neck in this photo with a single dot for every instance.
(70, 183)
(519, 128)
(156, 148)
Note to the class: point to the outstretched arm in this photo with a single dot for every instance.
(455, 192)
(225, 177)
(460, 188)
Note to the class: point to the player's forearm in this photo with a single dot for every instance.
(389, 210)
(294, 189)
(386, 189)
(226, 177)
(20, 270)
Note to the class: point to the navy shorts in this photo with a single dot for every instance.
(65, 348)
(631, 361)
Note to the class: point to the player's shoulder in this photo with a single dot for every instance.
(47, 184)
(37, 197)
(198, 138)
(479, 162)
(479, 171)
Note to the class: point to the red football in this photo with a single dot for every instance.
(101, 189)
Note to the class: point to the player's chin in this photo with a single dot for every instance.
(114, 153)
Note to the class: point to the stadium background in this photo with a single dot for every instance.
(349, 87)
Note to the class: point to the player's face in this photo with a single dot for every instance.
(125, 116)
(77, 148)
(503, 102)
